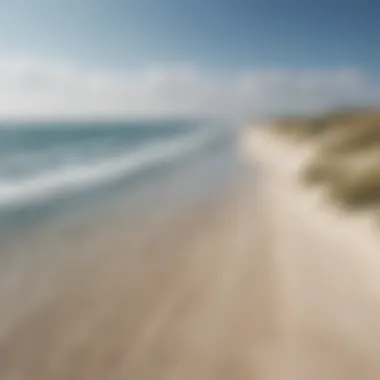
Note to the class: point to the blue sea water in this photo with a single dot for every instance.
(49, 169)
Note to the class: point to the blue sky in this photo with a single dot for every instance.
(223, 41)
(224, 34)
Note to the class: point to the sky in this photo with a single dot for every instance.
(132, 58)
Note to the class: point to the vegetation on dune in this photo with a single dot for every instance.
(301, 128)
(347, 158)
(361, 136)
(323, 169)
(358, 190)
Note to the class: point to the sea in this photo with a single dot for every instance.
(46, 169)
(56, 176)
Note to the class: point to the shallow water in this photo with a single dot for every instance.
(47, 170)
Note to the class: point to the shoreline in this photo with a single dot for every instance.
(182, 301)
(42, 261)
(265, 282)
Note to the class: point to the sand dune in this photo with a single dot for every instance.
(329, 269)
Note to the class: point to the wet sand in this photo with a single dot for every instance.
(195, 300)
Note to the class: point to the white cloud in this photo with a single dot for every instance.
(37, 88)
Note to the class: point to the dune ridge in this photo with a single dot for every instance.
(329, 264)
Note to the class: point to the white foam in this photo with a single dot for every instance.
(71, 178)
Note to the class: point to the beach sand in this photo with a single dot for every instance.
(267, 282)
(191, 298)
(329, 267)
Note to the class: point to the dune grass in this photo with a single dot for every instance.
(323, 169)
(347, 154)
(354, 128)
(359, 190)
(301, 128)
(360, 136)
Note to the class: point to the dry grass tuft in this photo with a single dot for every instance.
(322, 170)
(358, 190)
(347, 159)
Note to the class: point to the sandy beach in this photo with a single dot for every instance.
(192, 299)
(263, 283)
(328, 270)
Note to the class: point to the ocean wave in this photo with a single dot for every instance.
(69, 178)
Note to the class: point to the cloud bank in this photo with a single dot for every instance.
(39, 88)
